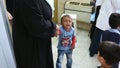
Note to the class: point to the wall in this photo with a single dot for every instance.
(60, 8)
(55, 18)
(61, 4)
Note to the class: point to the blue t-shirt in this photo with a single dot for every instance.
(65, 39)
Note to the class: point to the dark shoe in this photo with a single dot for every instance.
(96, 52)
(91, 54)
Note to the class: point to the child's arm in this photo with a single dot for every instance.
(58, 31)
(73, 42)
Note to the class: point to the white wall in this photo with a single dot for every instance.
(61, 6)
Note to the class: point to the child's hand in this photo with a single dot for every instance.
(58, 32)
(73, 46)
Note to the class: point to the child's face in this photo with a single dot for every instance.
(102, 61)
(100, 58)
(67, 23)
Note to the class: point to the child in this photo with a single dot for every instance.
(66, 41)
(113, 34)
(108, 54)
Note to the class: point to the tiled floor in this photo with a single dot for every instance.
(81, 57)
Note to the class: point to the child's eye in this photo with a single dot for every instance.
(70, 21)
(65, 20)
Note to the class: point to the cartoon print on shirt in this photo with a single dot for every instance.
(65, 41)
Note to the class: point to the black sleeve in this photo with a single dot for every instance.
(34, 20)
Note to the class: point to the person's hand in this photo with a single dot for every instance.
(57, 31)
(9, 16)
(73, 46)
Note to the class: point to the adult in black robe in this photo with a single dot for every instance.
(10, 6)
(32, 32)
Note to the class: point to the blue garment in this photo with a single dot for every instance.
(111, 35)
(64, 47)
(60, 58)
(92, 17)
(65, 39)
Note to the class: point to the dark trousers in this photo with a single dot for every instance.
(95, 35)
(95, 41)
(97, 13)
(94, 23)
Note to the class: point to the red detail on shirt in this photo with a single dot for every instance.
(73, 41)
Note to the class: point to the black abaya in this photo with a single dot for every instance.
(32, 32)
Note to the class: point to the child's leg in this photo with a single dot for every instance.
(59, 59)
(69, 58)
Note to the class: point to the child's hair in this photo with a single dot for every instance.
(114, 20)
(65, 16)
(110, 51)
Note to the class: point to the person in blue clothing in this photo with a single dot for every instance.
(66, 42)
(113, 34)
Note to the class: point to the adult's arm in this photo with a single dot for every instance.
(35, 21)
